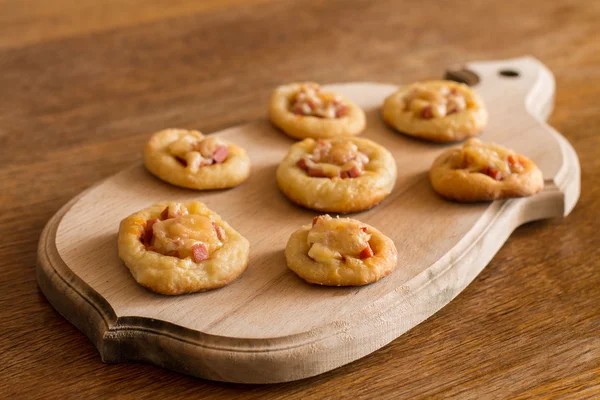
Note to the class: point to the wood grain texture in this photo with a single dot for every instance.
(269, 326)
(79, 104)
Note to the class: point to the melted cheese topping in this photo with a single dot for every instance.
(476, 156)
(334, 159)
(180, 234)
(195, 150)
(434, 102)
(332, 239)
(311, 101)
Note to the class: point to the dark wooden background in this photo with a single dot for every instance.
(83, 83)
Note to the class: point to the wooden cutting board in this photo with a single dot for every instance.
(269, 325)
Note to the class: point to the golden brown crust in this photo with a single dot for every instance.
(300, 126)
(351, 272)
(466, 186)
(172, 275)
(161, 163)
(336, 194)
(451, 128)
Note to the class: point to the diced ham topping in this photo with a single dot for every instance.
(341, 111)
(148, 233)
(353, 172)
(434, 102)
(514, 164)
(318, 218)
(302, 164)
(220, 231)
(179, 233)
(337, 160)
(331, 240)
(173, 211)
(316, 173)
(367, 252)
(221, 154)
(493, 173)
(199, 252)
(427, 113)
(489, 159)
(164, 214)
(311, 101)
(195, 151)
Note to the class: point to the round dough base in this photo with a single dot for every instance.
(464, 186)
(300, 126)
(363, 272)
(157, 159)
(335, 194)
(172, 275)
(451, 128)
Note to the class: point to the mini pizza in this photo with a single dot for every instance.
(483, 172)
(337, 175)
(303, 110)
(191, 160)
(340, 252)
(175, 248)
(438, 111)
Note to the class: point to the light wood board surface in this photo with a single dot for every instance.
(270, 326)
(84, 83)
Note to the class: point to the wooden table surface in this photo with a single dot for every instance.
(84, 83)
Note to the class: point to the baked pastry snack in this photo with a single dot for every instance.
(174, 248)
(481, 172)
(191, 160)
(340, 252)
(439, 111)
(337, 175)
(303, 110)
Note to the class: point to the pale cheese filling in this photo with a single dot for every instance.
(311, 101)
(196, 151)
(491, 159)
(180, 234)
(434, 102)
(338, 159)
(332, 240)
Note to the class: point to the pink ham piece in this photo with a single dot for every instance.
(341, 111)
(366, 252)
(220, 231)
(353, 172)
(316, 173)
(427, 113)
(220, 154)
(148, 234)
(164, 214)
(302, 164)
(172, 212)
(199, 252)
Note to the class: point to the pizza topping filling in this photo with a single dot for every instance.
(194, 151)
(493, 160)
(337, 239)
(311, 101)
(428, 102)
(180, 234)
(340, 159)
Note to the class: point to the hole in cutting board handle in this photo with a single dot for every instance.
(462, 74)
(509, 73)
